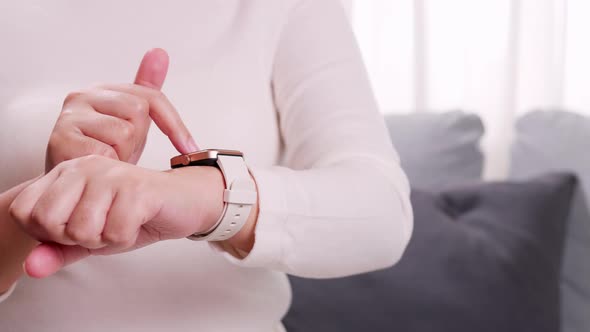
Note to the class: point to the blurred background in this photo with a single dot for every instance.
(499, 59)
(472, 91)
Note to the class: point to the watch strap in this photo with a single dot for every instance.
(239, 197)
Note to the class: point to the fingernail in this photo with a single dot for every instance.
(192, 145)
(25, 268)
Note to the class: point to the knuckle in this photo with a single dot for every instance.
(112, 96)
(80, 166)
(141, 106)
(72, 96)
(127, 130)
(116, 174)
(80, 235)
(108, 152)
(83, 215)
(91, 158)
(95, 90)
(102, 86)
(44, 218)
(100, 152)
(116, 238)
(69, 167)
(17, 212)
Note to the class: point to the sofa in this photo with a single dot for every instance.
(508, 255)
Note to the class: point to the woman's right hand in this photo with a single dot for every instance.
(113, 120)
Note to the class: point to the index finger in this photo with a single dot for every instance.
(163, 113)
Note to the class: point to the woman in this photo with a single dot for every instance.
(281, 81)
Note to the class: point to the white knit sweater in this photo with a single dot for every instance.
(281, 80)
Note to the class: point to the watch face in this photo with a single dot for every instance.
(202, 158)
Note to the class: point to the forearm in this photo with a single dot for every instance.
(15, 245)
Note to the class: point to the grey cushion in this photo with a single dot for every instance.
(484, 257)
(554, 140)
(438, 149)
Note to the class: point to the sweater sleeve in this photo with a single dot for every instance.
(339, 202)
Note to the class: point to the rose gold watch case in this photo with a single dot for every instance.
(209, 155)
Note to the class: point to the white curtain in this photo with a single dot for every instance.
(497, 58)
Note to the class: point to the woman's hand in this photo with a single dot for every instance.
(113, 120)
(96, 205)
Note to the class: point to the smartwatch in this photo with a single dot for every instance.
(239, 195)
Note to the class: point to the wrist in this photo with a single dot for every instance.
(204, 186)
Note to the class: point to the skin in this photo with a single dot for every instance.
(15, 245)
(94, 200)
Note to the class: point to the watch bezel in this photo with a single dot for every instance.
(206, 157)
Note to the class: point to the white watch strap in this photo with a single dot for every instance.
(239, 196)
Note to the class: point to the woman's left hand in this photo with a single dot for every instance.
(96, 205)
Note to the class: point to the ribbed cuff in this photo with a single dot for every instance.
(270, 226)
(7, 294)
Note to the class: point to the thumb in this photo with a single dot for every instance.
(153, 69)
(48, 258)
